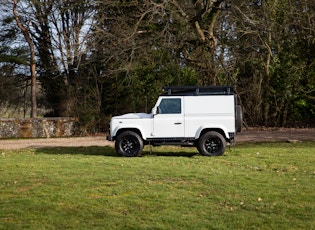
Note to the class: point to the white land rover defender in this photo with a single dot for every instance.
(205, 117)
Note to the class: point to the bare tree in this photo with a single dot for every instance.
(184, 29)
(267, 47)
(32, 63)
(58, 30)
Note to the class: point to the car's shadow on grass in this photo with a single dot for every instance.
(169, 154)
(108, 151)
(91, 150)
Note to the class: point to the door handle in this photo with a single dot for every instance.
(177, 123)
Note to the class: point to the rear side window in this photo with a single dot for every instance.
(170, 106)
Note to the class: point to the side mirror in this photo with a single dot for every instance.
(155, 111)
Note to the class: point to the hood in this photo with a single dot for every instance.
(133, 116)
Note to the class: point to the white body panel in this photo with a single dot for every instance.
(140, 121)
(168, 125)
(209, 112)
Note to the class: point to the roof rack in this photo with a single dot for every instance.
(197, 90)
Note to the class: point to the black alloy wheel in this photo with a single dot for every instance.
(211, 144)
(129, 144)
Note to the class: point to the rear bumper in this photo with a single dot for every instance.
(231, 135)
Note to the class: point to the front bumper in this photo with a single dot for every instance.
(109, 138)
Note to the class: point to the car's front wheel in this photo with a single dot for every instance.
(211, 144)
(129, 144)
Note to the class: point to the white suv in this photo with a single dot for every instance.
(205, 117)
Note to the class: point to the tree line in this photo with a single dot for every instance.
(99, 58)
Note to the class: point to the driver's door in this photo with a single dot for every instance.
(169, 120)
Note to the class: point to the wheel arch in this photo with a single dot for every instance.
(128, 129)
(219, 130)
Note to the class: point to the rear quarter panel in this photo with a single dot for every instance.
(212, 111)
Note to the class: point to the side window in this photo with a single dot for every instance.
(170, 106)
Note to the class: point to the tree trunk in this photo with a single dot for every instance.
(267, 83)
(32, 60)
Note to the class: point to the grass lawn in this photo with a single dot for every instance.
(253, 186)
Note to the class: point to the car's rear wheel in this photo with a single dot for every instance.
(211, 143)
(129, 144)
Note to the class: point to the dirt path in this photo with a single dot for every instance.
(99, 140)
(251, 135)
(275, 134)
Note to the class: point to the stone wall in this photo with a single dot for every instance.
(39, 127)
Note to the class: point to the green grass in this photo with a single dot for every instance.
(253, 186)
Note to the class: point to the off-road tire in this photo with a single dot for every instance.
(211, 144)
(129, 144)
